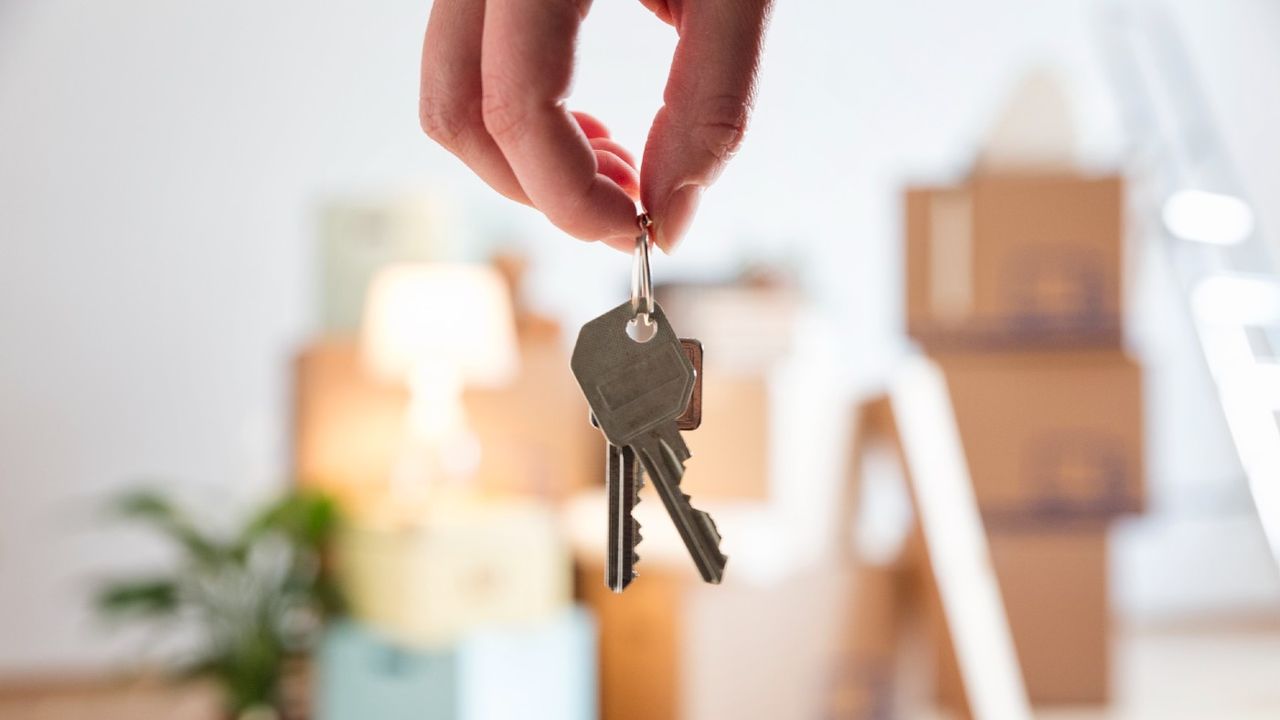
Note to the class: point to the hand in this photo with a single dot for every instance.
(494, 77)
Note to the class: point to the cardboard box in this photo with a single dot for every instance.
(358, 236)
(1056, 594)
(863, 684)
(1050, 437)
(1016, 260)
(347, 428)
(534, 435)
(675, 648)
(747, 326)
(746, 329)
(640, 672)
(731, 447)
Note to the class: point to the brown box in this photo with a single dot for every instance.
(1015, 260)
(1055, 591)
(1050, 437)
(731, 446)
(346, 428)
(534, 434)
(675, 648)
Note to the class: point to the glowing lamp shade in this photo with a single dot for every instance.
(451, 319)
(437, 328)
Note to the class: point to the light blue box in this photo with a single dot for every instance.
(539, 672)
(543, 672)
(364, 676)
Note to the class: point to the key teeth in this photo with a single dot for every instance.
(711, 526)
(675, 453)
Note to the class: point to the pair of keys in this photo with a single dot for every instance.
(639, 379)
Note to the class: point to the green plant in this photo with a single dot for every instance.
(256, 599)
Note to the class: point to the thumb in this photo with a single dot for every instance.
(707, 101)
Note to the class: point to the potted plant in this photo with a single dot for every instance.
(256, 599)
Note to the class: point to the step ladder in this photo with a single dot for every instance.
(1228, 272)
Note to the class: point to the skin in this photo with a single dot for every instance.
(495, 74)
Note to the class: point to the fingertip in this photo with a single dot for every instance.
(591, 126)
(621, 243)
(606, 210)
(617, 170)
(614, 147)
(674, 218)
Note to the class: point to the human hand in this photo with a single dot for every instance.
(494, 77)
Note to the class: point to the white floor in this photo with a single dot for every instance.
(1204, 673)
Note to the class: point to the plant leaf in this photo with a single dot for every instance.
(306, 518)
(151, 507)
(154, 597)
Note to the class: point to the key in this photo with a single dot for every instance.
(691, 418)
(636, 391)
(623, 485)
(624, 476)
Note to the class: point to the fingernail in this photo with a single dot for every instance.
(678, 216)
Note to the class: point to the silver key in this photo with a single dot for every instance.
(636, 391)
(624, 477)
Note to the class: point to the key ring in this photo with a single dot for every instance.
(641, 280)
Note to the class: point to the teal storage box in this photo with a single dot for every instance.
(545, 671)
(540, 672)
(364, 676)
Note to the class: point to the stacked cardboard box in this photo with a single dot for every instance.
(674, 647)
(1014, 286)
(745, 327)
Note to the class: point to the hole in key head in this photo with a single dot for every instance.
(642, 328)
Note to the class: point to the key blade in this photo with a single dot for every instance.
(663, 454)
(624, 530)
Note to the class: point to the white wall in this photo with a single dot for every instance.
(159, 163)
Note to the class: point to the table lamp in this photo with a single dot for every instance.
(437, 328)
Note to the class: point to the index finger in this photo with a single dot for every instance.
(526, 67)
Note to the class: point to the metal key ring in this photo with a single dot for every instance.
(641, 279)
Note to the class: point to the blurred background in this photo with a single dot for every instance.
(234, 445)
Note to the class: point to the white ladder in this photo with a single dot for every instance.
(1226, 269)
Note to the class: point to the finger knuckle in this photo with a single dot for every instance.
(445, 116)
(504, 108)
(721, 124)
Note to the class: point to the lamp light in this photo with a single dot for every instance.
(437, 328)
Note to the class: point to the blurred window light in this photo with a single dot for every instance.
(1208, 217)
(1237, 299)
(1264, 379)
